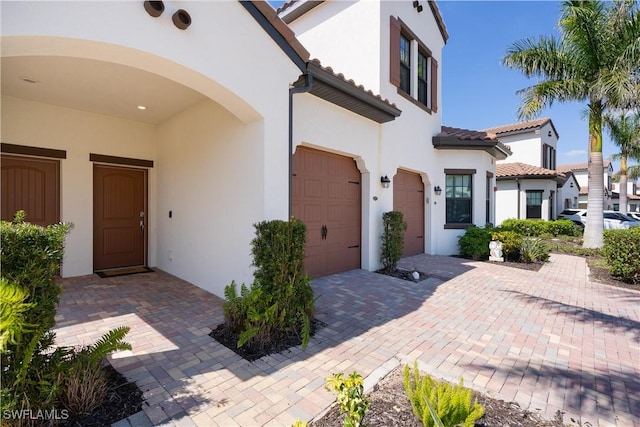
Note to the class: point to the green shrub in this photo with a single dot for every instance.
(474, 243)
(621, 250)
(534, 249)
(511, 242)
(562, 227)
(438, 402)
(392, 240)
(524, 227)
(35, 375)
(280, 301)
(350, 396)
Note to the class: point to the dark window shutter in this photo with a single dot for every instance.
(394, 49)
(434, 85)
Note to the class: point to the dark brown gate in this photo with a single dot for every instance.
(408, 198)
(327, 198)
(31, 185)
(119, 217)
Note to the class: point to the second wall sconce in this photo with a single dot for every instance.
(385, 181)
(437, 190)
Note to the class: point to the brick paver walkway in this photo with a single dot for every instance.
(549, 340)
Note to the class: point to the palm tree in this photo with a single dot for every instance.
(596, 60)
(625, 133)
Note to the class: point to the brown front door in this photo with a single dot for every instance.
(119, 217)
(32, 185)
(408, 198)
(327, 198)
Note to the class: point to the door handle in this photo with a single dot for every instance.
(142, 225)
(323, 232)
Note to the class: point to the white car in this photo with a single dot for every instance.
(634, 215)
(612, 220)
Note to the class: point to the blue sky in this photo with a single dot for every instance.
(478, 92)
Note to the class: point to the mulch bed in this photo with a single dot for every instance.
(404, 275)
(123, 399)
(229, 339)
(389, 406)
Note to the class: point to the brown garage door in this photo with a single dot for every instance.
(326, 197)
(119, 217)
(408, 198)
(32, 185)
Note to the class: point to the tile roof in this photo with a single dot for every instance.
(518, 169)
(579, 166)
(521, 126)
(465, 139)
(335, 88)
(467, 134)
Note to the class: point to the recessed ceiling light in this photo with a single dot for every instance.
(141, 107)
(28, 79)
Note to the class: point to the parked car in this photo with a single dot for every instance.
(634, 215)
(612, 220)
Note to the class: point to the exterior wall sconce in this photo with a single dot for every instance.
(385, 181)
(154, 8)
(437, 190)
(181, 19)
(417, 6)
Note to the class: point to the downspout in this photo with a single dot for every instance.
(292, 91)
(518, 184)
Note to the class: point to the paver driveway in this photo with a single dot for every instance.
(549, 340)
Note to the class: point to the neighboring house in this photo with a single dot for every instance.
(581, 173)
(633, 196)
(569, 193)
(163, 131)
(528, 186)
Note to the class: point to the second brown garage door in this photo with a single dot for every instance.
(326, 197)
(408, 198)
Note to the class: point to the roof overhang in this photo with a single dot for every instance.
(338, 91)
(512, 177)
(493, 147)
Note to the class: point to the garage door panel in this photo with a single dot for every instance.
(408, 198)
(329, 202)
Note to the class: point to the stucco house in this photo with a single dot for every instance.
(528, 184)
(164, 130)
(633, 196)
(581, 172)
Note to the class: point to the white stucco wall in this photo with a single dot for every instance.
(570, 193)
(527, 146)
(80, 133)
(507, 198)
(224, 162)
(445, 241)
(210, 167)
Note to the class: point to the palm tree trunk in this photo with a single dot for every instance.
(595, 200)
(623, 184)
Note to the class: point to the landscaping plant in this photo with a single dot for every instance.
(438, 403)
(280, 300)
(511, 242)
(392, 240)
(621, 250)
(350, 396)
(35, 374)
(474, 243)
(533, 249)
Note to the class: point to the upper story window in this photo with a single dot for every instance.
(548, 157)
(405, 64)
(415, 79)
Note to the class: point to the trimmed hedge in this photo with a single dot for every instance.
(474, 243)
(536, 228)
(621, 250)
